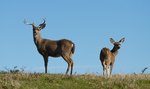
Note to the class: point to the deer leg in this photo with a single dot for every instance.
(69, 63)
(72, 63)
(45, 61)
(68, 68)
(111, 70)
(107, 70)
(104, 68)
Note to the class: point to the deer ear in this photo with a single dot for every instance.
(41, 26)
(112, 41)
(33, 25)
(122, 40)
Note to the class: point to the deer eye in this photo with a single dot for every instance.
(116, 44)
(35, 29)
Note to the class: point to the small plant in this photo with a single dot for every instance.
(144, 70)
(3, 72)
(14, 70)
(22, 69)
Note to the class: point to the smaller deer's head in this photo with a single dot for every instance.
(117, 44)
(36, 30)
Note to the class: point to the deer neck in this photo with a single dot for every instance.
(115, 51)
(37, 39)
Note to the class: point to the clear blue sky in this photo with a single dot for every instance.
(88, 23)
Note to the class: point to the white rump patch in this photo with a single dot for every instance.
(72, 45)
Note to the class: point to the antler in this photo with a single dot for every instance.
(41, 26)
(27, 23)
(44, 20)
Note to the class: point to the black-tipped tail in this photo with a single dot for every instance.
(73, 48)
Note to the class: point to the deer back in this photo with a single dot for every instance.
(106, 54)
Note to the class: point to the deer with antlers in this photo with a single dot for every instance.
(107, 56)
(64, 48)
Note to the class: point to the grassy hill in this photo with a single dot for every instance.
(61, 81)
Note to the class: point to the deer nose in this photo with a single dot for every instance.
(34, 31)
(118, 47)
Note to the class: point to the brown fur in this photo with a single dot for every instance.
(64, 48)
(107, 57)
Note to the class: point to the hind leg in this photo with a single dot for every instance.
(67, 59)
(72, 63)
(104, 68)
(107, 70)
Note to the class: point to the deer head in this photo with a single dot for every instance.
(36, 30)
(117, 44)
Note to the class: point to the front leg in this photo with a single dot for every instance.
(107, 70)
(45, 61)
(111, 69)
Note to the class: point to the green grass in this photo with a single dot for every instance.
(61, 81)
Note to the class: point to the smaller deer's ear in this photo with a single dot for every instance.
(122, 40)
(112, 41)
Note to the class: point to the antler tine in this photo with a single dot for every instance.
(27, 23)
(44, 19)
(41, 26)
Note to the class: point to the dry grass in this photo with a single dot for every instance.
(60, 81)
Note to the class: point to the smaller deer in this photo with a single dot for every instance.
(107, 56)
